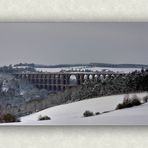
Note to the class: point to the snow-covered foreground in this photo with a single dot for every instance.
(72, 114)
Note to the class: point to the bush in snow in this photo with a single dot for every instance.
(88, 113)
(136, 102)
(145, 99)
(97, 113)
(44, 118)
(9, 118)
(106, 112)
(129, 102)
(119, 106)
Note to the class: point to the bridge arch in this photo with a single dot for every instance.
(106, 76)
(90, 76)
(85, 77)
(73, 80)
(101, 77)
(96, 76)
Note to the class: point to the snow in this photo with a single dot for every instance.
(20, 66)
(123, 70)
(5, 86)
(48, 69)
(132, 116)
(5, 89)
(72, 113)
(22, 92)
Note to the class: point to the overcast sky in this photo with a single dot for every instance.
(65, 43)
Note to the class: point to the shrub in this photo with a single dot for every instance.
(135, 102)
(105, 112)
(145, 99)
(1, 119)
(127, 102)
(97, 113)
(44, 118)
(119, 106)
(88, 113)
(9, 118)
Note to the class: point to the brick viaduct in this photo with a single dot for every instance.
(59, 81)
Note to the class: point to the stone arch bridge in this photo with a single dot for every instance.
(59, 81)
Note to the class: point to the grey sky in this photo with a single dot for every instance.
(59, 43)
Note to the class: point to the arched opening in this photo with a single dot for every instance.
(50, 87)
(90, 77)
(73, 80)
(49, 81)
(96, 77)
(101, 77)
(45, 86)
(54, 88)
(112, 76)
(59, 88)
(106, 76)
(85, 77)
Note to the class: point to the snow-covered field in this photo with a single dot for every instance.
(72, 113)
(123, 70)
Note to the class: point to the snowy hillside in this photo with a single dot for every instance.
(123, 70)
(72, 114)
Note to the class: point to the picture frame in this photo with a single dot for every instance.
(104, 136)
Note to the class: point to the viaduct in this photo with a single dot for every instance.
(59, 81)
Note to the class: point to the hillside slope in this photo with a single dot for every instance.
(72, 114)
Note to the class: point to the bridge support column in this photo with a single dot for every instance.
(81, 78)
